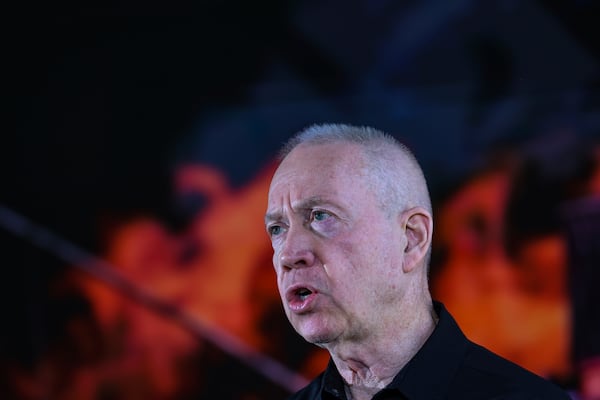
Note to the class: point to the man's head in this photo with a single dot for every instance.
(392, 169)
(349, 218)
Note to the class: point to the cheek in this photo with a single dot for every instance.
(355, 263)
(275, 259)
(366, 246)
(375, 256)
(277, 269)
(348, 247)
(280, 288)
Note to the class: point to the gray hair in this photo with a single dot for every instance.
(393, 170)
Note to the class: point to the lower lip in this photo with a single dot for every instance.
(300, 306)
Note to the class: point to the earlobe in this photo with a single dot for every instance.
(418, 230)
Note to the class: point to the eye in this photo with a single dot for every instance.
(319, 215)
(274, 230)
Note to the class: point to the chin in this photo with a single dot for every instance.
(316, 339)
(316, 333)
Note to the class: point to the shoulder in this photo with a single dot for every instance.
(477, 373)
(485, 373)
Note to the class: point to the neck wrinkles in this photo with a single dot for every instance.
(370, 367)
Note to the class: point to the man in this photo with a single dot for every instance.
(350, 221)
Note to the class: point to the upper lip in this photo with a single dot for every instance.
(292, 291)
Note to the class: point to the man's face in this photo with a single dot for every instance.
(337, 255)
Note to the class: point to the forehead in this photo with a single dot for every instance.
(319, 170)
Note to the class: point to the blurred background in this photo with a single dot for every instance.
(142, 138)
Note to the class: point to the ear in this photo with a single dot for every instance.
(418, 230)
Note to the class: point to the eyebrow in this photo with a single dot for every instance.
(275, 216)
(305, 204)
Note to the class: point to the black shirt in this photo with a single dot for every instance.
(448, 366)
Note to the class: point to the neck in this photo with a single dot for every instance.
(369, 366)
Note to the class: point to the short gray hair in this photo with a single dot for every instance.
(399, 184)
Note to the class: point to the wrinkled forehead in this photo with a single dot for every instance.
(324, 161)
(316, 171)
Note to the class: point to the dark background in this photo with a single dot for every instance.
(107, 99)
(104, 94)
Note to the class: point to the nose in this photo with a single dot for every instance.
(297, 250)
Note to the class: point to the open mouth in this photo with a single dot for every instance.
(303, 293)
(300, 298)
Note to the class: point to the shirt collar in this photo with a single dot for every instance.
(333, 383)
(429, 373)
